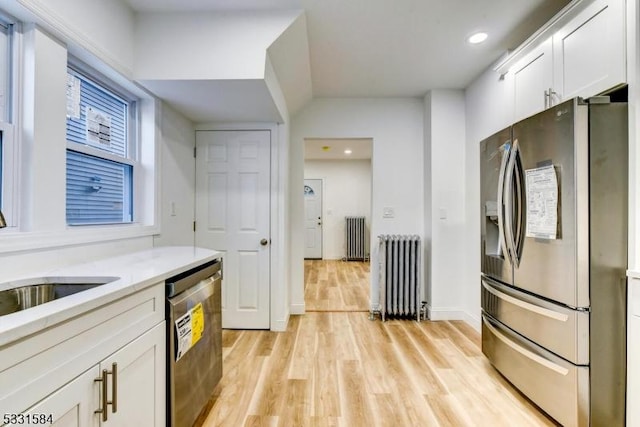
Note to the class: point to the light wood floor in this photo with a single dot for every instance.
(341, 369)
(336, 285)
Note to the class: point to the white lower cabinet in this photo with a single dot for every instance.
(72, 405)
(141, 371)
(56, 375)
(135, 394)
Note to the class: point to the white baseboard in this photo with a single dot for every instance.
(280, 325)
(297, 309)
(474, 321)
(453, 313)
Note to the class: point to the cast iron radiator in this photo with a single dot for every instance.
(400, 276)
(355, 238)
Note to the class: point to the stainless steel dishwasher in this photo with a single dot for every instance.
(194, 341)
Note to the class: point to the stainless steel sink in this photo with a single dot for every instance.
(33, 292)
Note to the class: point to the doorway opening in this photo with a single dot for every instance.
(338, 184)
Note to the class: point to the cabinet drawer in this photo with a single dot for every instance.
(41, 363)
(560, 388)
(561, 330)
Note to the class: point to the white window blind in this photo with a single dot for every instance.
(99, 168)
(98, 190)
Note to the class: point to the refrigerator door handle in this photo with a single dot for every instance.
(508, 195)
(520, 207)
(501, 176)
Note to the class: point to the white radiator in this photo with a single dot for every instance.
(400, 276)
(355, 238)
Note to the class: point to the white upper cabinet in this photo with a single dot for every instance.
(583, 54)
(532, 77)
(589, 51)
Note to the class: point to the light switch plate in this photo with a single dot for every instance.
(388, 212)
(442, 213)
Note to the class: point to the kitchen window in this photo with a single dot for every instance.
(101, 150)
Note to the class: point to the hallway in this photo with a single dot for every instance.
(340, 369)
(331, 285)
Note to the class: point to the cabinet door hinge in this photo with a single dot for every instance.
(194, 226)
(195, 149)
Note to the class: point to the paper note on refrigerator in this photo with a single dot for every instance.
(542, 202)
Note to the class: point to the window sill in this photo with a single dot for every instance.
(12, 240)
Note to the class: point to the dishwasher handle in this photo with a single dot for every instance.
(184, 281)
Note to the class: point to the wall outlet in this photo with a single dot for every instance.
(388, 212)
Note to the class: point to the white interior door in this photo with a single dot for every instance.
(233, 216)
(313, 218)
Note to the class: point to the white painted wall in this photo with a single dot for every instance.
(428, 200)
(396, 127)
(43, 141)
(89, 23)
(346, 192)
(19, 265)
(206, 46)
(489, 108)
(280, 246)
(177, 187)
(633, 326)
(290, 57)
(445, 135)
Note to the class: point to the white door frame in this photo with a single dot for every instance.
(279, 310)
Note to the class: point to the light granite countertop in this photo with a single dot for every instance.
(136, 271)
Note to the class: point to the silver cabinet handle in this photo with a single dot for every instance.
(546, 99)
(264, 242)
(114, 388)
(103, 397)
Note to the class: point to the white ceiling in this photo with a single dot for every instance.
(216, 100)
(361, 149)
(373, 48)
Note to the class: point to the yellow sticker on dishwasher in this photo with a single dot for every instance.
(189, 329)
(197, 323)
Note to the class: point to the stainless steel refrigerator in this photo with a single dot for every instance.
(554, 258)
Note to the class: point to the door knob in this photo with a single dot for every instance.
(319, 223)
(264, 242)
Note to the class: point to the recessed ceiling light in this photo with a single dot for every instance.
(347, 151)
(477, 38)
